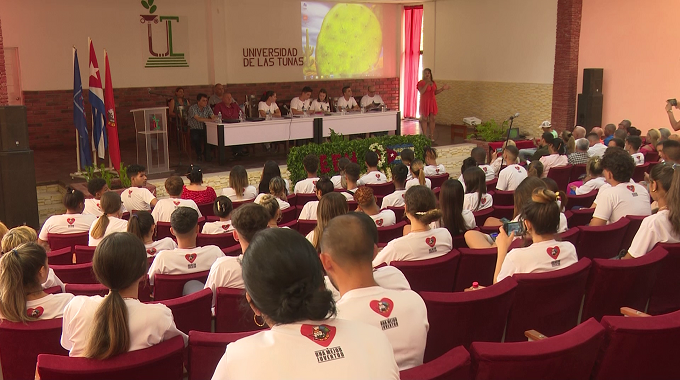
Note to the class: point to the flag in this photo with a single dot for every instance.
(96, 98)
(79, 115)
(111, 123)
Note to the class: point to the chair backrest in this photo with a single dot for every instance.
(577, 218)
(306, 226)
(479, 316)
(352, 205)
(664, 298)
(168, 286)
(20, 344)
(431, 275)
(230, 315)
(53, 290)
(191, 312)
(63, 256)
(458, 241)
(206, 209)
(293, 225)
(288, 215)
(453, 365)
(206, 349)
(548, 302)
(232, 251)
(86, 289)
(482, 215)
(568, 356)
(651, 156)
(389, 233)
(503, 198)
(237, 204)
(491, 185)
(302, 199)
(561, 176)
(613, 284)
(162, 361)
(501, 212)
(639, 172)
(475, 265)
(399, 212)
(639, 348)
(585, 200)
(163, 230)
(601, 242)
(292, 200)
(436, 191)
(577, 171)
(84, 254)
(570, 235)
(438, 180)
(225, 240)
(75, 273)
(633, 227)
(382, 188)
(58, 241)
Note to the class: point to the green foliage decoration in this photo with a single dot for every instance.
(124, 178)
(490, 131)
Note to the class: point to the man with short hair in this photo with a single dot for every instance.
(580, 156)
(579, 132)
(512, 175)
(323, 186)
(137, 196)
(609, 130)
(164, 208)
(373, 176)
(625, 124)
(621, 134)
(308, 185)
(546, 139)
(546, 126)
(596, 146)
(300, 104)
(616, 143)
(671, 151)
(352, 172)
(371, 100)
(401, 314)
(665, 134)
(599, 132)
(187, 257)
(346, 101)
(228, 107)
(632, 146)
(96, 187)
(479, 154)
(216, 97)
(198, 114)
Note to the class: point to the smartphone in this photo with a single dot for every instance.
(498, 150)
(673, 102)
(516, 227)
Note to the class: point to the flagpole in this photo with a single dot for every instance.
(77, 137)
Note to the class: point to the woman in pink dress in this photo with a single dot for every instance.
(428, 103)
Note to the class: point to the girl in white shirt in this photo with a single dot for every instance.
(366, 204)
(556, 158)
(455, 218)
(541, 220)
(418, 173)
(270, 203)
(431, 168)
(330, 206)
(320, 104)
(277, 188)
(72, 222)
(284, 286)
(22, 235)
(476, 198)
(323, 186)
(22, 271)
(110, 221)
(268, 106)
(396, 199)
(222, 209)
(102, 327)
(593, 180)
(238, 189)
(143, 226)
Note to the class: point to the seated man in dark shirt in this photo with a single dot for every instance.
(546, 139)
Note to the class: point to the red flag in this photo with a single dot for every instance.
(111, 123)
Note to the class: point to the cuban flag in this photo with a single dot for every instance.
(96, 98)
(79, 114)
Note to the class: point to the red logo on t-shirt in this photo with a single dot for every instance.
(321, 334)
(519, 170)
(631, 188)
(431, 241)
(483, 200)
(437, 170)
(176, 203)
(377, 175)
(129, 193)
(379, 222)
(314, 183)
(190, 257)
(383, 307)
(225, 227)
(484, 168)
(35, 313)
(553, 252)
(151, 251)
(70, 220)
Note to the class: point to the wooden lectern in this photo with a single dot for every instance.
(151, 125)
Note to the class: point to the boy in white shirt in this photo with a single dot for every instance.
(367, 205)
(96, 187)
(346, 101)
(396, 199)
(165, 207)
(479, 154)
(71, 222)
(596, 147)
(323, 187)
(337, 179)
(632, 146)
(407, 157)
(308, 185)
(400, 314)
(187, 258)
(351, 179)
(301, 103)
(137, 196)
(431, 167)
(512, 175)
(373, 176)
(371, 100)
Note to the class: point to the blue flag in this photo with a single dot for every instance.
(79, 115)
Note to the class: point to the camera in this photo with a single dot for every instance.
(673, 102)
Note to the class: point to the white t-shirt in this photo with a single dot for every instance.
(159, 245)
(597, 150)
(510, 177)
(297, 104)
(282, 204)
(367, 100)
(262, 106)
(250, 192)
(415, 182)
(184, 260)
(416, 246)
(395, 199)
(329, 349)
(49, 307)
(309, 210)
(386, 276)
(432, 170)
(52, 280)
(553, 161)
(217, 227)
(137, 198)
(654, 229)
(318, 106)
(639, 158)
(343, 103)
(225, 273)
(337, 181)
(401, 314)
(375, 177)
(165, 207)
(384, 218)
(115, 225)
(488, 172)
(92, 207)
(623, 199)
(471, 201)
(66, 224)
(349, 194)
(545, 256)
(306, 186)
(149, 324)
(496, 164)
(593, 184)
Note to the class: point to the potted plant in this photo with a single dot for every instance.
(490, 131)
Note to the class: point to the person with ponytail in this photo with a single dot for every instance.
(593, 180)
(143, 226)
(399, 177)
(330, 206)
(540, 220)
(476, 197)
(195, 189)
(569, 142)
(535, 169)
(110, 220)
(22, 271)
(366, 204)
(556, 158)
(102, 327)
(284, 286)
(277, 189)
(422, 242)
(664, 226)
(270, 203)
(455, 217)
(239, 189)
(418, 173)
(222, 209)
(72, 222)
(3, 230)
(268, 106)
(22, 235)
(323, 186)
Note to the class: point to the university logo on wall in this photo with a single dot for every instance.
(166, 38)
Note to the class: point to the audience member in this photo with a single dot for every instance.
(351, 179)
(197, 116)
(500, 160)
(512, 175)
(621, 134)
(551, 185)
(271, 169)
(479, 154)
(671, 151)
(320, 104)
(431, 168)
(3, 230)
(277, 188)
(579, 132)
(323, 187)
(143, 226)
(580, 155)
(598, 131)
(418, 174)
(665, 134)
(609, 130)
(22, 235)
(96, 187)
(110, 220)
(535, 169)
(633, 147)
(338, 179)
(546, 140)
(624, 124)
(596, 147)
(239, 188)
(222, 209)
(137, 196)
(301, 104)
(476, 197)
(330, 206)
(556, 158)
(651, 139)
(632, 131)
(546, 126)
(195, 189)
(267, 105)
(371, 100)
(593, 180)
(467, 164)
(346, 101)
(102, 327)
(72, 222)
(308, 185)
(455, 218)
(616, 143)
(166, 206)
(366, 204)
(569, 142)
(270, 204)
(396, 199)
(373, 176)
(407, 156)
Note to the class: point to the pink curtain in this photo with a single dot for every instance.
(413, 22)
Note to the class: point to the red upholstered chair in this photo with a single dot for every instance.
(201, 223)
(206, 349)
(168, 286)
(633, 227)
(548, 302)
(230, 314)
(125, 216)
(162, 361)
(87, 289)
(453, 365)
(503, 198)
(458, 241)
(585, 200)
(293, 224)
(292, 200)
(475, 265)
(237, 204)
(491, 185)
(577, 218)
(352, 205)
(479, 316)
(191, 312)
(144, 290)
(84, 254)
(206, 209)
(163, 230)
(438, 180)
(63, 256)
(302, 199)
(577, 171)
(639, 172)
(568, 356)
(570, 235)
(561, 175)
(20, 344)
(389, 233)
(224, 240)
(233, 251)
(212, 219)
(378, 200)
(53, 290)
(639, 348)
(613, 284)
(664, 298)
(482, 215)
(399, 212)
(432, 275)
(383, 188)
(75, 273)
(601, 242)
(436, 191)
(651, 156)
(58, 241)
(306, 226)
(288, 215)
(501, 212)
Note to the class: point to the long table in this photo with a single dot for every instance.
(283, 129)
